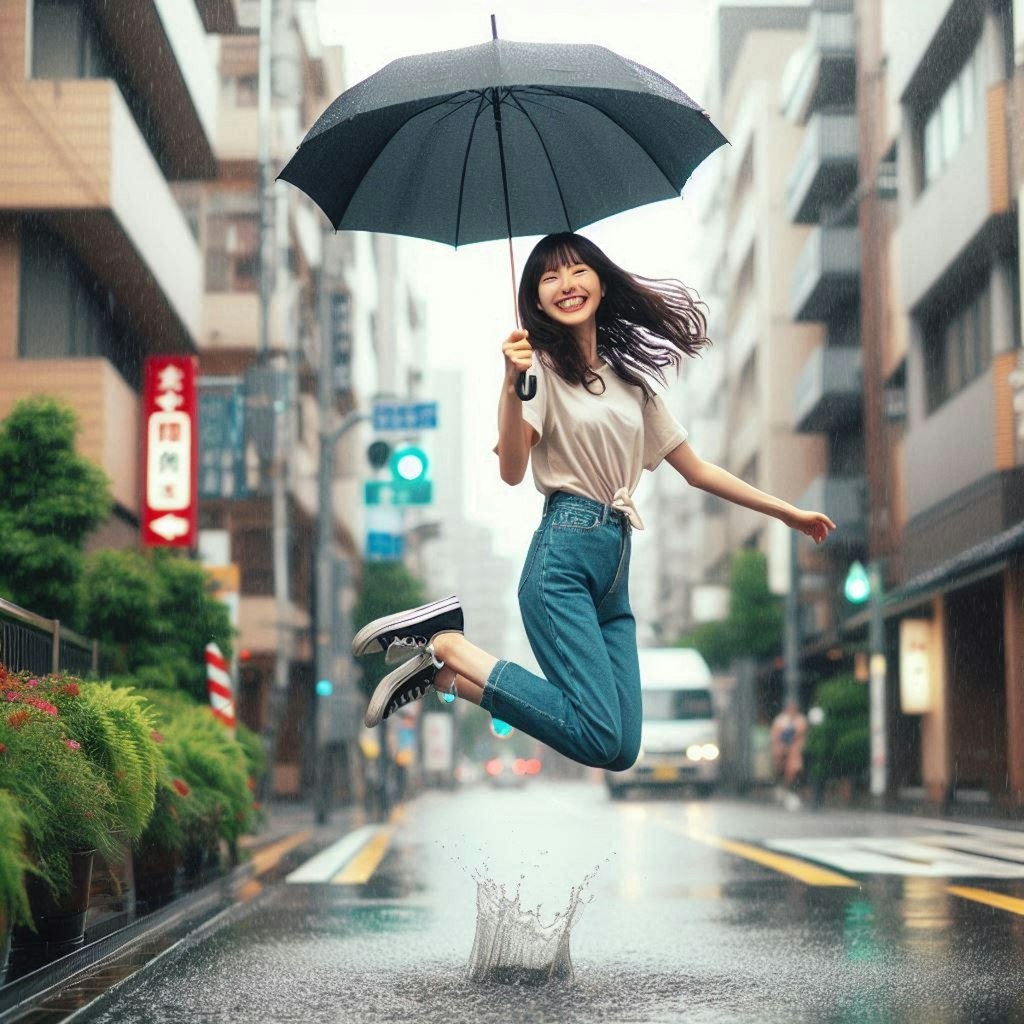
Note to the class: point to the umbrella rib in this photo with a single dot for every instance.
(626, 132)
(465, 164)
(547, 156)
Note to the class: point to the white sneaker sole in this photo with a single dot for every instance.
(388, 685)
(363, 642)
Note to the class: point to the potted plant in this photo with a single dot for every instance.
(67, 806)
(14, 868)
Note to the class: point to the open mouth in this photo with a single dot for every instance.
(571, 304)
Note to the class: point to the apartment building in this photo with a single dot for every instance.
(818, 94)
(99, 266)
(738, 396)
(942, 337)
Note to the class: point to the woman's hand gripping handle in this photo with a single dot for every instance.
(519, 354)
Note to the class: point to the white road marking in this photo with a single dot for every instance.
(326, 864)
(925, 856)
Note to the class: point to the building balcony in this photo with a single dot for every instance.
(107, 409)
(825, 169)
(744, 339)
(83, 164)
(745, 441)
(823, 73)
(827, 273)
(167, 61)
(844, 499)
(220, 17)
(828, 391)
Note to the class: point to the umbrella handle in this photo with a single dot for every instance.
(526, 388)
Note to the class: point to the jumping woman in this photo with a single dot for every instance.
(595, 337)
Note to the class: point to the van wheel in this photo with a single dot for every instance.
(616, 792)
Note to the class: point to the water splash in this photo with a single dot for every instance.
(514, 945)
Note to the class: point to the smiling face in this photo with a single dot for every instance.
(570, 294)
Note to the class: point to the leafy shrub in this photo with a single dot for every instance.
(840, 745)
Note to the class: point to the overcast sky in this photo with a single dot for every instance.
(469, 292)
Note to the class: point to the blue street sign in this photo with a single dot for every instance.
(404, 415)
(384, 547)
(398, 492)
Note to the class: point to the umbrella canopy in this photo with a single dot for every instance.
(499, 140)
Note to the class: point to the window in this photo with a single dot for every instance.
(65, 313)
(950, 122)
(66, 42)
(958, 347)
(232, 252)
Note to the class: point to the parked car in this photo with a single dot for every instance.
(680, 739)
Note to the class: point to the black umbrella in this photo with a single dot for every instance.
(500, 140)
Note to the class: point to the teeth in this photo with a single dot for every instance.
(573, 303)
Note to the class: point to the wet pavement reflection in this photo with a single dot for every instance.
(676, 929)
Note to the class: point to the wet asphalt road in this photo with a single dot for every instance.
(684, 922)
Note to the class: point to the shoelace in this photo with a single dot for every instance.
(408, 641)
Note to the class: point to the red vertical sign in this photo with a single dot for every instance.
(170, 452)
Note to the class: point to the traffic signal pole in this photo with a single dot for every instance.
(326, 597)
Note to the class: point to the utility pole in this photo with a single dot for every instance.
(878, 698)
(791, 638)
(277, 390)
(326, 598)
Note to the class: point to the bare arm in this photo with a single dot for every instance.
(715, 480)
(515, 436)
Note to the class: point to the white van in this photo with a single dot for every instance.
(679, 743)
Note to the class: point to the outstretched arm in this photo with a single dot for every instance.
(715, 480)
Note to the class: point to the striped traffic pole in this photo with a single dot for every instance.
(218, 686)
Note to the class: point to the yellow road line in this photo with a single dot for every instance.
(271, 855)
(991, 899)
(801, 870)
(359, 869)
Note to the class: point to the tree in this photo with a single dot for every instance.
(387, 587)
(753, 627)
(51, 500)
(154, 614)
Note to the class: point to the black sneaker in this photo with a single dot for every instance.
(412, 629)
(405, 684)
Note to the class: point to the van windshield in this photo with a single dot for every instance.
(674, 705)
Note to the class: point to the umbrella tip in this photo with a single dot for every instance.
(494, 27)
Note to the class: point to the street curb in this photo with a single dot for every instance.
(237, 891)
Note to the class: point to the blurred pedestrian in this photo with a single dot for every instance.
(789, 734)
(597, 338)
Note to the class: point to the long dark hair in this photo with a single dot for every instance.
(643, 325)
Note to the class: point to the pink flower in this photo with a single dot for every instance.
(181, 787)
(32, 683)
(73, 744)
(3, 748)
(42, 705)
(156, 737)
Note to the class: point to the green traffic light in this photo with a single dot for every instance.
(857, 587)
(409, 463)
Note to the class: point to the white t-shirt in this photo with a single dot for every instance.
(597, 445)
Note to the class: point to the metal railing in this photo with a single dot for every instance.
(32, 643)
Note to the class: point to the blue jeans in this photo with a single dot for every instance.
(574, 598)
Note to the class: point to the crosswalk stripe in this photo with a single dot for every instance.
(991, 899)
(917, 856)
(363, 864)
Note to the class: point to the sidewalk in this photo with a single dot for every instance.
(991, 815)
